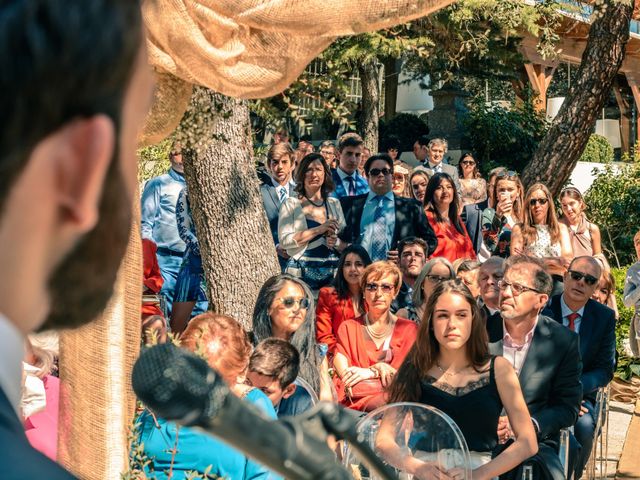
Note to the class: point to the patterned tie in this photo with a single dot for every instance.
(351, 191)
(379, 232)
(572, 317)
(282, 194)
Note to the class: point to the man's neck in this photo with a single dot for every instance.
(283, 183)
(435, 164)
(491, 305)
(410, 280)
(518, 328)
(348, 174)
(574, 306)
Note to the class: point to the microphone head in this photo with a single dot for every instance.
(173, 383)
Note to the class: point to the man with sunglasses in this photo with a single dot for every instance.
(378, 220)
(596, 326)
(544, 354)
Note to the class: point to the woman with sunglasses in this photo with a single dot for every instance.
(342, 301)
(309, 223)
(418, 181)
(541, 235)
(434, 272)
(473, 188)
(507, 211)
(449, 367)
(285, 309)
(585, 236)
(442, 207)
(400, 185)
(371, 348)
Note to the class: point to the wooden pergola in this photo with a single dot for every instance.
(574, 33)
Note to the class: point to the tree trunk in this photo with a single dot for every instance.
(391, 73)
(369, 79)
(560, 149)
(235, 241)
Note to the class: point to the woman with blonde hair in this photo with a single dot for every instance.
(541, 235)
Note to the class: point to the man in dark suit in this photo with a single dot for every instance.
(489, 276)
(74, 92)
(431, 153)
(276, 189)
(348, 182)
(379, 219)
(596, 325)
(545, 355)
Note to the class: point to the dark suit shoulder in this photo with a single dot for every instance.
(550, 327)
(599, 310)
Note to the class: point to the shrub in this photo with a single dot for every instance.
(154, 160)
(406, 128)
(627, 366)
(598, 150)
(504, 136)
(614, 205)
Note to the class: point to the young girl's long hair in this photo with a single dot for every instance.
(424, 353)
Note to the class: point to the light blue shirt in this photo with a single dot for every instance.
(343, 177)
(158, 210)
(366, 222)
(566, 311)
(290, 185)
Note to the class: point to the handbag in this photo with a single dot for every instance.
(371, 387)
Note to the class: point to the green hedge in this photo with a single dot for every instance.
(627, 366)
(598, 150)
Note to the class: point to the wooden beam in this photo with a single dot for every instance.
(633, 83)
(540, 77)
(625, 115)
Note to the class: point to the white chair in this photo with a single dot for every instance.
(402, 430)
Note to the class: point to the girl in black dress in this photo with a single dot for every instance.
(449, 367)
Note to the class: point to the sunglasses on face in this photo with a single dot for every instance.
(516, 288)
(535, 201)
(291, 302)
(507, 174)
(588, 279)
(467, 162)
(374, 172)
(373, 287)
(398, 178)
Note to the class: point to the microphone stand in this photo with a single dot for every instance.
(331, 419)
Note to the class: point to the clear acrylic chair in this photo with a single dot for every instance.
(403, 433)
(597, 464)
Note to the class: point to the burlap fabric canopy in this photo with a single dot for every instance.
(250, 48)
(241, 48)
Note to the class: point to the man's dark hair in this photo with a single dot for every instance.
(409, 242)
(541, 280)
(276, 358)
(350, 139)
(423, 140)
(373, 158)
(60, 61)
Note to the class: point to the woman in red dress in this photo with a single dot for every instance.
(442, 207)
(372, 347)
(343, 300)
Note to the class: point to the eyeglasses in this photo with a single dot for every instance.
(373, 287)
(507, 174)
(588, 279)
(516, 288)
(398, 178)
(374, 172)
(436, 278)
(535, 201)
(467, 162)
(292, 302)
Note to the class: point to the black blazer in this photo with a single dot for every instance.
(21, 460)
(472, 218)
(597, 343)
(271, 203)
(410, 221)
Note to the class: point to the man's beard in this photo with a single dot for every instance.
(82, 284)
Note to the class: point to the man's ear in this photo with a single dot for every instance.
(289, 390)
(84, 150)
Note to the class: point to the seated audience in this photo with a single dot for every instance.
(277, 187)
(379, 219)
(371, 348)
(309, 223)
(489, 276)
(285, 309)
(41, 392)
(431, 154)
(328, 151)
(347, 179)
(631, 298)
(418, 181)
(434, 272)
(467, 271)
(273, 368)
(342, 301)
(412, 254)
(540, 235)
(449, 367)
(506, 209)
(442, 207)
(584, 235)
(176, 451)
(473, 188)
(544, 354)
(605, 292)
(596, 326)
(400, 185)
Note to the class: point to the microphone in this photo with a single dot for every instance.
(179, 386)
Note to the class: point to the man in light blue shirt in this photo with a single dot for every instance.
(158, 221)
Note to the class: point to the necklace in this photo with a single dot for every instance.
(375, 335)
(448, 373)
(314, 203)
